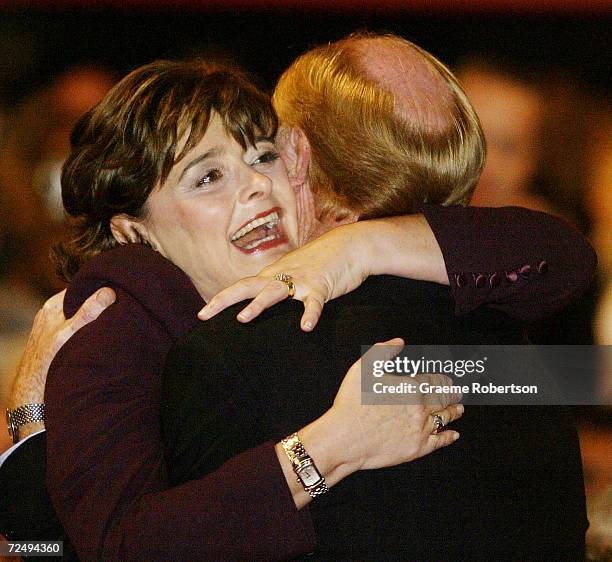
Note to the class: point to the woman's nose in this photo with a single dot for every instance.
(257, 186)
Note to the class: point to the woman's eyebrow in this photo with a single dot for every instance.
(197, 160)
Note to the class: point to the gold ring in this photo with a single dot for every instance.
(287, 280)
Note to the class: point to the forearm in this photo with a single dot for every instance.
(103, 415)
(241, 511)
(248, 504)
(28, 388)
(264, 485)
(524, 263)
(29, 429)
(527, 264)
(49, 332)
(403, 246)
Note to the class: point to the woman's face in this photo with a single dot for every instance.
(223, 213)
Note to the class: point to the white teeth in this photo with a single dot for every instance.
(270, 221)
(258, 242)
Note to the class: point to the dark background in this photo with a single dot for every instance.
(36, 44)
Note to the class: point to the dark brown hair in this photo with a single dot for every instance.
(126, 146)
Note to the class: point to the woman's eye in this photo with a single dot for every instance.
(210, 177)
(266, 157)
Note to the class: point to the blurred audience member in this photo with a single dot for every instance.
(539, 125)
(33, 146)
(512, 111)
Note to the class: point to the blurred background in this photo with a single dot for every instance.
(537, 72)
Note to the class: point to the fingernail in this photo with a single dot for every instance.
(244, 315)
(461, 408)
(455, 437)
(105, 297)
(308, 325)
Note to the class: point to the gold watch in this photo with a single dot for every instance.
(304, 467)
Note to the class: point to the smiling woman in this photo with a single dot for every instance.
(187, 125)
(224, 211)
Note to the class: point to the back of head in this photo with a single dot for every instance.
(389, 126)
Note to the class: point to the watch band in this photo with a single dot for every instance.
(303, 464)
(23, 415)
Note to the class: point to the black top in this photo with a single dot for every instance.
(510, 488)
(30, 516)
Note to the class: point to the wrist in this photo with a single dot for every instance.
(25, 420)
(383, 236)
(364, 243)
(22, 394)
(406, 246)
(28, 386)
(18, 399)
(330, 442)
(29, 429)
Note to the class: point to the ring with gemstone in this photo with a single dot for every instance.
(288, 281)
(438, 424)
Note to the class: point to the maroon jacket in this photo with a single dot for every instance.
(106, 472)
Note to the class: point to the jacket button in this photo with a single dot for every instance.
(494, 280)
(480, 281)
(512, 276)
(525, 270)
(460, 280)
(543, 267)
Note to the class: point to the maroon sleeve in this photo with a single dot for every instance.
(106, 472)
(525, 263)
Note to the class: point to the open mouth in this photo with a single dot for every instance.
(260, 233)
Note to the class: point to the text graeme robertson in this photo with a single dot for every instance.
(474, 388)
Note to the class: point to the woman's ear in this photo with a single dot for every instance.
(128, 230)
(345, 216)
(294, 149)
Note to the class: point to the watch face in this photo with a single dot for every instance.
(309, 475)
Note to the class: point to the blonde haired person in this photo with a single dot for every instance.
(402, 135)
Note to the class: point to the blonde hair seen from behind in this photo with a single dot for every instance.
(367, 154)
